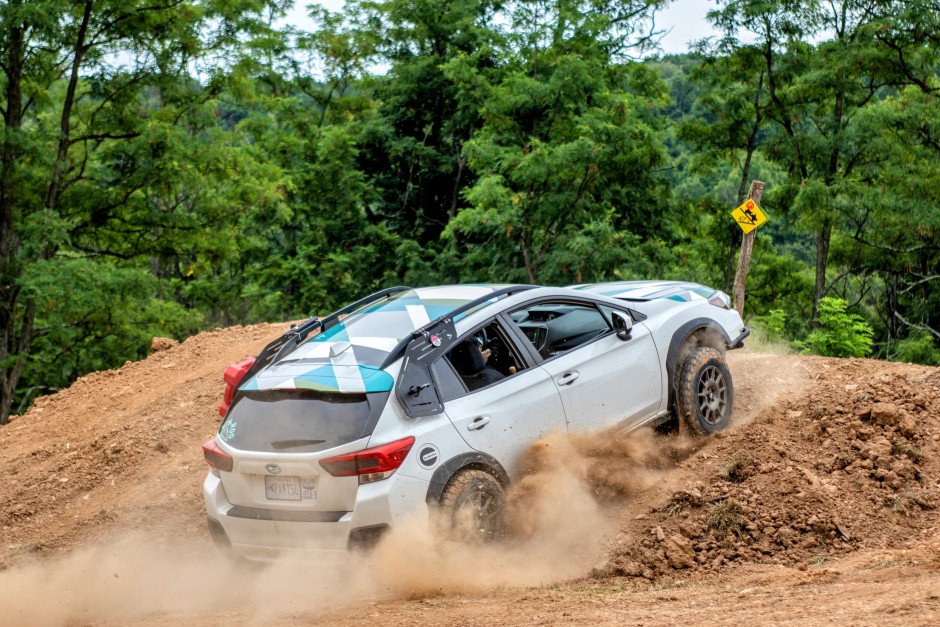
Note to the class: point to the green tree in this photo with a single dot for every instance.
(413, 154)
(80, 82)
(839, 334)
(568, 150)
(726, 124)
(815, 93)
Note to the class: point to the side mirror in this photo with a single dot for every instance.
(623, 325)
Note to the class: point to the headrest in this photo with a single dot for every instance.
(467, 358)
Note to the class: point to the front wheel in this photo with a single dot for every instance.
(472, 507)
(705, 392)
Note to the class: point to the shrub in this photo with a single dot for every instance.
(840, 334)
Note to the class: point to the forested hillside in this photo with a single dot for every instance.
(173, 165)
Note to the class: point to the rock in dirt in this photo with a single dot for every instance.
(161, 344)
(679, 552)
(885, 414)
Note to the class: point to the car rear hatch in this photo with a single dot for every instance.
(287, 419)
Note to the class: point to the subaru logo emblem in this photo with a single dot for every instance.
(273, 469)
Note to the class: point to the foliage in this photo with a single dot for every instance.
(169, 167)
(565, 156)
(839, 334)
(773, 323)
(94, 316)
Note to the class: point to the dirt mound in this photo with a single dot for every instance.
(848, 462)
(827, 459)
(118, 449)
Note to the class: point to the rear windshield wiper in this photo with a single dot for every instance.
(280, 445)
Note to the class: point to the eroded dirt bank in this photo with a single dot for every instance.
(818, 506)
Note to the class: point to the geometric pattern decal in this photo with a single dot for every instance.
(651, 290)
(346, 357)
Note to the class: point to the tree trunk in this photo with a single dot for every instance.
(733, 247)
(527, 257)
(823, 237)
(65, 123)
(747, 246)
(9, 246)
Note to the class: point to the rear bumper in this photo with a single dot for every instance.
(271, 534)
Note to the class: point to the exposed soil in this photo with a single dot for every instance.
(117, 450)
(818, 506)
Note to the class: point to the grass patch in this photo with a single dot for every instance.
(897, 505)
(724, 516)
(904, 502)
(674, 508)
(737, 469)
(681, 501)
(762, 340)
(912, 452)
(842, 460)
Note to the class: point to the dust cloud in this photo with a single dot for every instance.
(558, 516)
(763, 381)
(135, 579)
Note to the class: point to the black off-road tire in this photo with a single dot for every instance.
(472, 507)
(705, 392)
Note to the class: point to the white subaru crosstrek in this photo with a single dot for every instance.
(410, 401)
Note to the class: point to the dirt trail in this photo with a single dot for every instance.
(118, 449)
(818, 506)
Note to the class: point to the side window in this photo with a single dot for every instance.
(480, 359)
(448, 381)
(607, 311)
(554, 327)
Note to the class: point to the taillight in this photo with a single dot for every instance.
(720, 299)
(233, 378)
(216, 457)
(372, 464)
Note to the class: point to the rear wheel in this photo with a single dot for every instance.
(705, 392)
(472, 507)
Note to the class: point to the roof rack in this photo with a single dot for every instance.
(297, 333)
(403, 344)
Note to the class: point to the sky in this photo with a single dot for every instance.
(684, 19)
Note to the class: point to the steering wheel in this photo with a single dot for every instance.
(494, 347)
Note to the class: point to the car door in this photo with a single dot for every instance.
(505, 414)
(602, 380)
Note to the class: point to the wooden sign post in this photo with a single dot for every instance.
(748, 216)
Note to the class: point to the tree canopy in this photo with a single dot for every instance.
(166, 167)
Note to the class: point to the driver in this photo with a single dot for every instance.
(469, 359)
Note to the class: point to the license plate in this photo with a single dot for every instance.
(290, 489)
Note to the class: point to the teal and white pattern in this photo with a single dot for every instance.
(651, 290)
(347, 356)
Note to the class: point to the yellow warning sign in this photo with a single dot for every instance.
(749, 216)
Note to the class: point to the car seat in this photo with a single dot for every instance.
(469, 363)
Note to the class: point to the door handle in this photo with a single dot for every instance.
(478, 423)
(569, 377)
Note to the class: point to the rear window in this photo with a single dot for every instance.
(299, 421)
